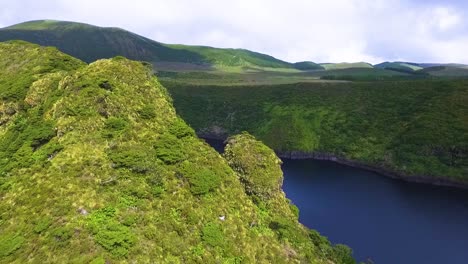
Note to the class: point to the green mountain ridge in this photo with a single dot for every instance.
(209, 65)
(90, 43)
(97, 167)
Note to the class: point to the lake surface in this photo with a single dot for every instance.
(382, 219)
(386, 220)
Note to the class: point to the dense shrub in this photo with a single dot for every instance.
(201, 180)
(42, 225)
(9, 243)
(343, 254)
(212, 235)
(137, 158)
(179, 129)
(115, 126)
(169, 149)
(109, 233)
(147, 112)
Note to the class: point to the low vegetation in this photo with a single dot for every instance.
(96, 167)
(259, 170)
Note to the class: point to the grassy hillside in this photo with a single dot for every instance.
(399, 66)
(411, 127)
(96, 167)
(90, 43)
(208, 65)
(446, 71)
(345, 65)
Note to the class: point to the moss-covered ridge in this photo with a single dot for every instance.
(96, 166)
(259, 170)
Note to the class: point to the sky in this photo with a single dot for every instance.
(292, 30)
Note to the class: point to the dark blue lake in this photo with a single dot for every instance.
(385, 220)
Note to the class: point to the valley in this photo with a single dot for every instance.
(101, 159)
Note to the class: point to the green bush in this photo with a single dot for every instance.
(343, 254)
(169, 149)
(213, 235)
(98, 260)
(114, 127)
(321, 243)
(116, 238)
(109, 233)
(62, 234)
(10, 243)
(147, 112)
(179, 129)
(201, 180)
(295, 210)
(136, 158)
(284, 228)
(42, 225)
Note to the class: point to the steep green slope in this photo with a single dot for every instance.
(414, 128)
(97, 167)
(90, 43)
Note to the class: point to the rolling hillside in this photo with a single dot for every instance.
(90, 43)
(399, 66)
(201, 64)
(345, 65)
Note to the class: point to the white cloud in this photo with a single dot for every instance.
(446, 18)
(294, 30)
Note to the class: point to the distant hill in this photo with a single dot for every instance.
(345, 65)
(307, 65)
(90, 43)
(446, 71)
(430, 69)
(428, 65)
(399, 66)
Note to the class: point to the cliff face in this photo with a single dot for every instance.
(96, 166)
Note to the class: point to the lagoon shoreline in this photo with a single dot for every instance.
(300, 155)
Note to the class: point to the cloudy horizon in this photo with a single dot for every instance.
(297, 30)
